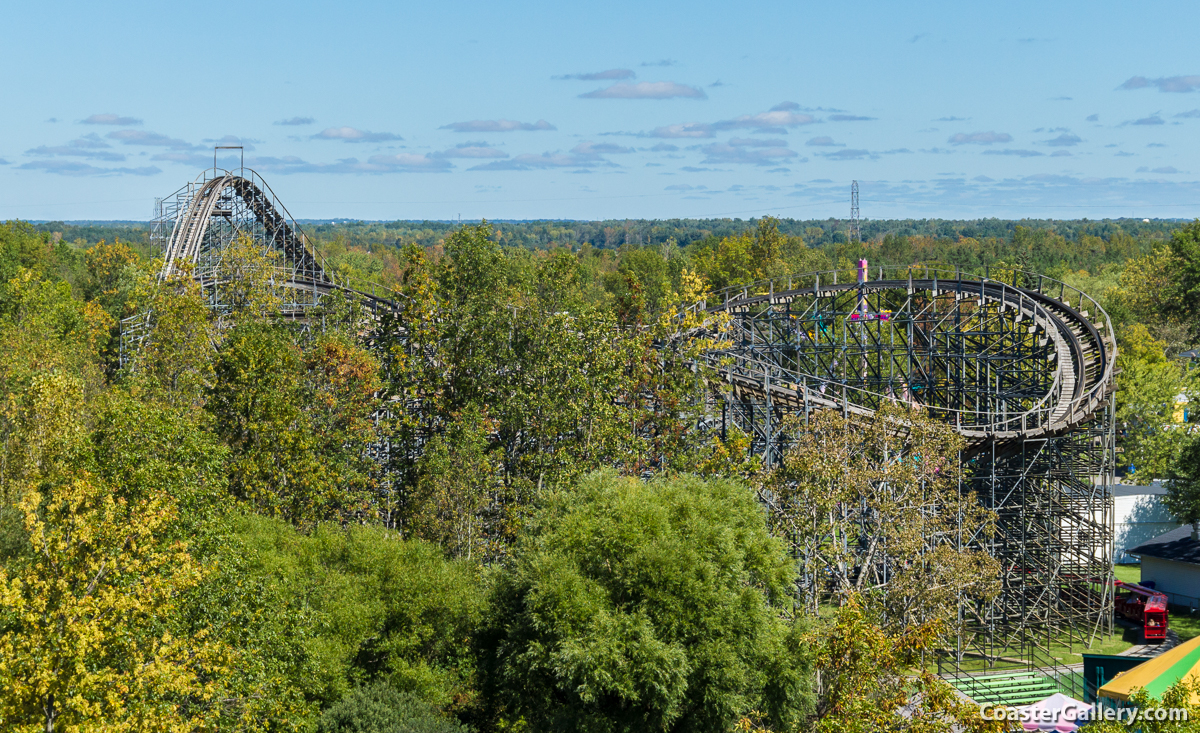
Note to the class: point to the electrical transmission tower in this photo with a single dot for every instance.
(855, 234)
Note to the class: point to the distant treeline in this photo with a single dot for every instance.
(1046, 245)
(613, 233)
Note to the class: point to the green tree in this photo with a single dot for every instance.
(458, 487)
(112, 277)
(172, 343)
(659, 605)
(381, 708)
(298, 422)
(1180, 696)
(1183, 489)
(1147, 387)
(1185, 293)
(313, 615)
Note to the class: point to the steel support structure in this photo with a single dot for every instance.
(1019, 364)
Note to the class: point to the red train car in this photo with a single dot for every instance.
(1144, 606)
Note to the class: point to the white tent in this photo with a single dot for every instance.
(1057, 712)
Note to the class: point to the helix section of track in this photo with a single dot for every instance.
(1014, 356)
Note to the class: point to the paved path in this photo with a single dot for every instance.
(1148, 649)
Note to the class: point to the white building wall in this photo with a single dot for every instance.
(1136, 519)
(1180, 580)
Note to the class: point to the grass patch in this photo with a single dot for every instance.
(1186, 624)
(1063, 654)
(1128, 573)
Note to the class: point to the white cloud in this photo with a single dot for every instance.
(774, 122)
(750, 142)
(683, 130)
(1010, 151)
(352, 135)
(646, 90)
(151, 139)
(773, 119)
(979, 138)
(591, 148)
(111, 119)
(609, 75)
(295, 121)
(718, 154)
(408, 162)
(497, 126)
(88, 146)
(1064, 140)
(585, 155)
(376, 164)
(1177, 84)
(822, 141)
(246, 143)
(850, 154)
(478, 149)
(76, 169)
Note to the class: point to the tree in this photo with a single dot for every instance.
(458, 500)
(1183, 488)
(45, 331)
(1180, 696)
(1147, 388)
(315, 614)
(85, 605)
(380, 708)
(634, 606)
(112, 276)
(1185, 295)
(248, 288)
(872, 679)
(298, 421)
(172, 348)
(875, 508)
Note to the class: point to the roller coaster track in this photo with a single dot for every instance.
(1047, 348)
(194, 227)
(200, 220)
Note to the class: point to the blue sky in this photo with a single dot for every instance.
(608, 110)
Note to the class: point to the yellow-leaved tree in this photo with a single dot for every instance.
(85, 604)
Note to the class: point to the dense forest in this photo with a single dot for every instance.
(495, 511)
